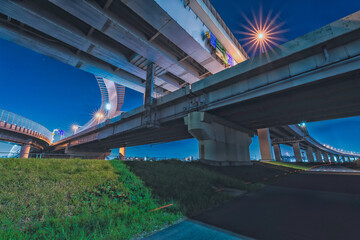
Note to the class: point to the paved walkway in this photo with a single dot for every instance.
(191, 229)
(301, 206)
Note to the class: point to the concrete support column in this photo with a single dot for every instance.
(309, 154)
(318, 156)
(149, 87)
(340, 158)
(148, 96)
(332, 158)
(326, 157)
(25, 150)
(297, 153)
(122, 151)
(265, 144)
(221, 143)
(277, 152)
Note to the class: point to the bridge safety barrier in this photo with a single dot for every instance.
(16, 122)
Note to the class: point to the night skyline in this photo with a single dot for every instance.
(57, 95)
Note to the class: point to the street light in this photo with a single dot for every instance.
(108, 106)
(99, 116)
(75, 128)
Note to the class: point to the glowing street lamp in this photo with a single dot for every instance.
(99, 116)
(302, 124)
(75, 128)
(108, 106)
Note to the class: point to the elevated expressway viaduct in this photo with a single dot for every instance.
(312, 78)
(179, 55)
(22, 131)
(117, 40)
(297, 137)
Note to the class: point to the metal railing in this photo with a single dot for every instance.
(24, 123)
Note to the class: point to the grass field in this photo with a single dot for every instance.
(76, 199)
(96, 199)
(191, 185)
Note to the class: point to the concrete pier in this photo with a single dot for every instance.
(221, 142)
(25, 150)
(265, 144)
(326, 157)
(122, 151)
(277, 152)
(297, 153)
(309, 154)
(318, 156)
(148, 96)
(332, 158)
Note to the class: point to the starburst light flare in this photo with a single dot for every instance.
(262, 33)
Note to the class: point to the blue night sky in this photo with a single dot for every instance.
(57, 95)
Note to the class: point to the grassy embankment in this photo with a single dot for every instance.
(191, 185)
(94, 199)
(75, 199)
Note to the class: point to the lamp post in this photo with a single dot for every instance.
(75, 128)
(108, 106)
(99, 116)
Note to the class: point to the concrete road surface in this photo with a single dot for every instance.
(301, 206)
(312, 205)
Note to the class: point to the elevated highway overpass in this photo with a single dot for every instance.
(117, 40)
(176, 52)
(312, 78)
(112, 99)
(22, 131)
(299, 139)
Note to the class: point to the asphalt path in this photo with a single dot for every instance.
(322, 204)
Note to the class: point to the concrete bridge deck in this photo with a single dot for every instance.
(20, 130)
(312, 78)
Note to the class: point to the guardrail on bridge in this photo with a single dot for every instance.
(16, 122)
